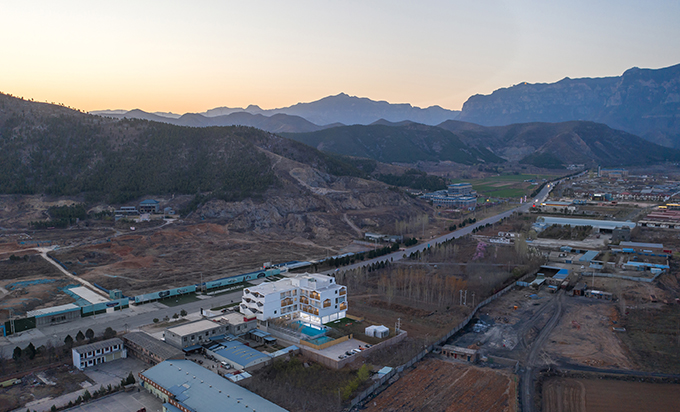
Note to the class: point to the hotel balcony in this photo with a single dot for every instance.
(343, 306)
(343, 291)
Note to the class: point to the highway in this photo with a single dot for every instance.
(455, 234)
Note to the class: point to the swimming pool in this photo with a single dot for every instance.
(308, 329)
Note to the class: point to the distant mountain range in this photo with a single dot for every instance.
(546, 145)
(277, 123)
(644, 102)
(351, 110)
(330, 111)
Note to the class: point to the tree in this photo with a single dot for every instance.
(155, 320)
(30, 351)
(68, 341)
(109, 333)
(80, 337)
(87, 395)
(175, 316)
(130, 379)
(183, 313)
(89, 333)
(17, 353)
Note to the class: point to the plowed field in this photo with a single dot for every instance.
(605, 395)
(440, 385)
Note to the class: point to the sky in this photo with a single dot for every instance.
(180, 56)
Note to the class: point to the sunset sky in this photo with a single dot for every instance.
(184, 56)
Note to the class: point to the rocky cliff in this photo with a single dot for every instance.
(644, 102)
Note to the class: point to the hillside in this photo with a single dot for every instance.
(644, 102)
(407, 143)
(53, 150)
(551, 144)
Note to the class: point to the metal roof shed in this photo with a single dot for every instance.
(588, 256)
(197, 389)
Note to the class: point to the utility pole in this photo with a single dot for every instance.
(11, 321)
(397, 326)
(593, 285)
(461, 297)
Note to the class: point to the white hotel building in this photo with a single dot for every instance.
(312, 298)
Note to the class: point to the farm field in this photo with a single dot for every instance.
(506, 185)
(442, 385)
(606, 395)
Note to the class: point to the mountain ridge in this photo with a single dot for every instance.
(341, 108)
(644, 102)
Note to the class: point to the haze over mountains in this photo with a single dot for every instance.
(644, 102)
(330, 111)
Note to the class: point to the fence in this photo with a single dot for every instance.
(611, 275)
(326, 344)
(385, 379)
(284, 333)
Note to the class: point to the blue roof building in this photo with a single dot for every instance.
(186, 386)
(238, 355)
(149, 206)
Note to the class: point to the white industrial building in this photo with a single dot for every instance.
(313, 298)
(98, 352)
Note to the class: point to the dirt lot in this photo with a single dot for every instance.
(177, 255)
(441, 385)
(605, 395)
(584, 335)
(50, 383)
(509, 332)
(31, 283)
(652, 338)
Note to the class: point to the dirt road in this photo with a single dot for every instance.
(532, 360)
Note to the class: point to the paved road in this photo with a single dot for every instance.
(129, 319)
(455, 234)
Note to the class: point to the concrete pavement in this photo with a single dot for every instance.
(126, 319)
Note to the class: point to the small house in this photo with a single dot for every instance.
(456, 352)
(579, 289)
